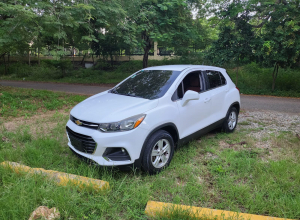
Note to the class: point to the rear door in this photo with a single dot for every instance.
(217, 89)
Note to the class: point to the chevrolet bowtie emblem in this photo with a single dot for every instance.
(78, 122)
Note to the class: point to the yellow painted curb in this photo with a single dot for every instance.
(155, 209)
(62, 179)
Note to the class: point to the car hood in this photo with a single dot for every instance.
(109, 107)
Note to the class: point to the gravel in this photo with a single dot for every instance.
(262, 123)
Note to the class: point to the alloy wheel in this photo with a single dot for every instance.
(160, 153)
(232, 120)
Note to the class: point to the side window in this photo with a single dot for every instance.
(214, 79)
(192, 82)
(223, 80)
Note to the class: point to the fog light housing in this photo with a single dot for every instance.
(116, 154)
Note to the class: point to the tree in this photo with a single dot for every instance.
(267, 31)
(110, 29)
(236, 39)
(160, 20)
(281, 37)
(16, 18)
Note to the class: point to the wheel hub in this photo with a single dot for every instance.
(160, 153)
(232, 120)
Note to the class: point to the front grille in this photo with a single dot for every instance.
(85, 124)
(81, 142)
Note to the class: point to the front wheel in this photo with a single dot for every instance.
(158, 152)
(230, 120)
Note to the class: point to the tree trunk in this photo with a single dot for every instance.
(73, 51)
(28, 57)
(8, 59)
(274, 75)
(93, 61)
(5, 68)
(145, 58)
(39, 56)
(111, 60)
(82, 61)
(237, 75)
(146, 49)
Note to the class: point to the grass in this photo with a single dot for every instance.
(253, 79)
(214, 172)
(27, 102)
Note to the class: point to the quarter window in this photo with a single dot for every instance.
(223, 80)
(215, 79)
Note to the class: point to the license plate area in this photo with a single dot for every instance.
(76, 143)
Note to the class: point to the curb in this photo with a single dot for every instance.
(61, 179)
(161, 209)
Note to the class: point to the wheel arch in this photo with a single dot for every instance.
(236, 105)
(170, 128)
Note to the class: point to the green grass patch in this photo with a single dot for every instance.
(215, 172)
(16, 102)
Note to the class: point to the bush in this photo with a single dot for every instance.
(254, 79)
(102, 65)
(64, 66)
(130, 67)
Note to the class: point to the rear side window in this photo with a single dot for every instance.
(215, 79)
(223, 80)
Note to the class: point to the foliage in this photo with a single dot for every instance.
(255, 79)
(265, 31)
(16, 18)
(214, 32)
(55, 25)
(164, 21)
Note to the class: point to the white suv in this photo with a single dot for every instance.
(142, 120)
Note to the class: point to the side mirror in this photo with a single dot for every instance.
(189, 95)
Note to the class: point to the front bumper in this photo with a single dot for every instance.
(132, 141)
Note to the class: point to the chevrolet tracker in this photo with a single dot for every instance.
(142, 120)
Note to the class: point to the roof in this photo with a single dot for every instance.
(182, 67)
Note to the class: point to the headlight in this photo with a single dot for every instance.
(124, 125)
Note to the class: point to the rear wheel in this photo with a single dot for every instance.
(158, 152)
(231, 120)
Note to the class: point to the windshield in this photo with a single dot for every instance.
(148, 84)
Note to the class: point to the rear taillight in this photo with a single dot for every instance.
(237, 88)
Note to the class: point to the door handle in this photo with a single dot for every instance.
(206, 100)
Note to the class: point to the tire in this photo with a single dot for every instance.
(154, 146)
(231, 120)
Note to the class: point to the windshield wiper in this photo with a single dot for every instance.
(128, 94)
(113, 91)
(132, 95)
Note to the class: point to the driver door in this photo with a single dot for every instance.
(194, 115)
